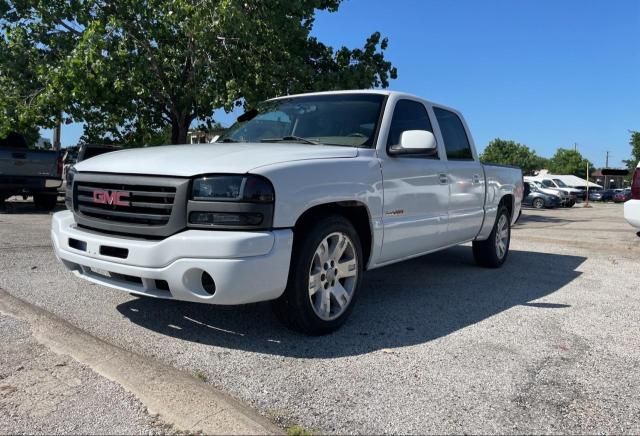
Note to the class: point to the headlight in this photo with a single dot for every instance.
(68, 193)
(231, 202)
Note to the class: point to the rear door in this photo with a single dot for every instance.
(416, 191)
(466, 179)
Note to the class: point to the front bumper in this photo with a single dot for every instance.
(632, 212)
(28, 184)
(554, 202)
(246, 267)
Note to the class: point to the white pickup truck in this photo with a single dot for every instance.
(292, 204)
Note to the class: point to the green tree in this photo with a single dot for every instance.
(130, 68)
(567, 161)
(505, 152)
(634, 142)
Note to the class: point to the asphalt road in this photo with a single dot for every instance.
(547, 344)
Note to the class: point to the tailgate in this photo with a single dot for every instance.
(21, 162)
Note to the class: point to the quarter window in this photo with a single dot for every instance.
(455, 137)
(407, 115)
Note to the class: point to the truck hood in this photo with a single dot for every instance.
(194, 159)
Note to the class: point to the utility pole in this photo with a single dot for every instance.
(606, 162)
(575, 146)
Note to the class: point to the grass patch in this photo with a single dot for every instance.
(200, 375)
(297, 430)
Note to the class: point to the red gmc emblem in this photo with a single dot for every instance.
(115, 198)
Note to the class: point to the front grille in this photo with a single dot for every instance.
(149, 205)
(146, 206)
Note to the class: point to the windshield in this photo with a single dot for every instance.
(560, 183)
(338, 119)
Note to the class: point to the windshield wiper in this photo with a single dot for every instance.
(226, 140)
(289, 139)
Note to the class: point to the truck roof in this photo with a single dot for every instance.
(367, 91)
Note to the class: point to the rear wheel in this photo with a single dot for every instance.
(570, 203)
(45, 201)
(493, 252)
(325, 274)
(538, 203)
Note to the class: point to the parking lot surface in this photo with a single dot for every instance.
(547, 344)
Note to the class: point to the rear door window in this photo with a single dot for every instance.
(455, 137)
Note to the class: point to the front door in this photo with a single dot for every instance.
(416, 191)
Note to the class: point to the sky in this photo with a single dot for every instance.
(545, 73)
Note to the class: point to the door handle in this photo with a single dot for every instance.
(19, 155)
(444, 179)
(476, 179)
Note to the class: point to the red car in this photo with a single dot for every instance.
(622, 196)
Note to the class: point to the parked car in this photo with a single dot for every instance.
(291, 204)
(602, 195)
(566, 200)
(554, 183)
(538, 199)
(632, 206)
(622, 196)
(26, 172)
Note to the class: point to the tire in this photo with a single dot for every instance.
(571, 203)
(45, 201)
(538, 203)
(319, 312)
(491, 253)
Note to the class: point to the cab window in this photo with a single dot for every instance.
(455, 137)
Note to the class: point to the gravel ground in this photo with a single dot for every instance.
(44, 393)
(547, 344)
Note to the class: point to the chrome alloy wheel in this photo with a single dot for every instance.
(502, 236)
(333, 276)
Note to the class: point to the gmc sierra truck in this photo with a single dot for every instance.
(292, 204)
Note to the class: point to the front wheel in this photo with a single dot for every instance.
(493, 252)
(538, 203)
(325, 274)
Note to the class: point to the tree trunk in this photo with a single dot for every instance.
(179, 129)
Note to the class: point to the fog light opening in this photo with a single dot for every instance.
(207, 283)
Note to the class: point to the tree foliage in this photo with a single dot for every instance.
(508, 152)
(634, 142)
(130, 68)
(567, 161)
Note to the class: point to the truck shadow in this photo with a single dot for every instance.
(18, 206)
(404, 304)
(546, 217)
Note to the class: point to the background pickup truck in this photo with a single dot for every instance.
(29, 172)
(292, 204)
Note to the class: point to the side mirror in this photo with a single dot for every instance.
(415, 142)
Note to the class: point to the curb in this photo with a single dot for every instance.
(178, 398)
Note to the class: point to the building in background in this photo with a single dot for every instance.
(611, 178)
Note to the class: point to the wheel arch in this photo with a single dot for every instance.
(355, 211)
(508, 201)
